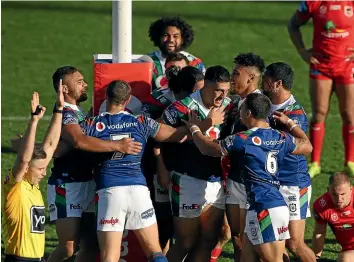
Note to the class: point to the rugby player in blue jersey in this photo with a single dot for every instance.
(295, 181)
(123, 196)
(263, 150)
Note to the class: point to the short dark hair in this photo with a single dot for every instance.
(157, 29)
(118, 92)
(259, 105)
(217, 74)
(176, 56)
(250, 59)
(183, 79)
(38, 153)
(60, 73)
(281, 71)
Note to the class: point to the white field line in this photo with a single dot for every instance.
(47, 118)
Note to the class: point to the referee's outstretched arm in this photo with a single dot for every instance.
(25, 152)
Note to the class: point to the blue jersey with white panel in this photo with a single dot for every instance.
(118, 169)
(263, 151)
(294, 170)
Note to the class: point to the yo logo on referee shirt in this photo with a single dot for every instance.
(37, 219)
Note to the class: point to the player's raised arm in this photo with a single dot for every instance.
(24, 155)
(303, 145)
(52, 136)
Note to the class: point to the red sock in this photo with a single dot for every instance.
(348, 140)
(317, 133)
(215, 254)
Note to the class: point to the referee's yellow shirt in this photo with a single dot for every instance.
(23, 219)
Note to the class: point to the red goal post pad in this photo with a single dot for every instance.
(138, 74)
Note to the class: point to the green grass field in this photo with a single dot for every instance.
(38, 37)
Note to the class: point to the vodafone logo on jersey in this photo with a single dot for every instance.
(256, 140)
(100, 126)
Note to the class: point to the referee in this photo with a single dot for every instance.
(24, 211)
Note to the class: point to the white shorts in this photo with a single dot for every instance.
(298, 201)
(236, 194)
(190, 195)
(268, 225)
(160, 194)
(70, 199)
(124, 207)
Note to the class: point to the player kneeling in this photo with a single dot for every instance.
(262, 149)
(124, 198)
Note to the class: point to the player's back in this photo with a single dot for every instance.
(118, 169)
(264, 151)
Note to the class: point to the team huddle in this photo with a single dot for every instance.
(210, 156)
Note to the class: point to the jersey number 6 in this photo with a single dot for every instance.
(272, 162)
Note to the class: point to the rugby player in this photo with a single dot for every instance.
(123, 196)
(262, 149)
(71, 188)
(197, 195)
(24, 211)
(170, 34)
(295, 181)
(331, 61)
(245, 79)
(335, 208)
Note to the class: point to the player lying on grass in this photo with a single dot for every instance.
(263, 150)
(335, 208)
(24, 211)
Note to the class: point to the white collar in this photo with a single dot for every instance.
(283, 105)
(74, 107)
(120, 112)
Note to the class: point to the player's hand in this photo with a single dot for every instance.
(60, 96)
(163, 176)
(16, 142)
(281, 117)
(308, 56)
(192, 120)
(37, 110)
(351, 56)
(128, 146)
(217, 115)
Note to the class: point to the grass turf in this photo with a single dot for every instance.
(38, 37)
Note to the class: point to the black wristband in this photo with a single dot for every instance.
(55, 110)
(39, 109)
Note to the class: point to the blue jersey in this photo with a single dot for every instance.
(294, 171)
(116, 168)
(263, 151)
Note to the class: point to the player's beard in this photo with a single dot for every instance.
(83, 97)
(165, 51)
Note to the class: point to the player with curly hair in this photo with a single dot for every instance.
(170, 34)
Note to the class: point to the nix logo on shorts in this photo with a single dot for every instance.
(111, 221)
(191, 207)
(37, 219)
(100, 126)
(78, 206)
(282, 230)
(148, 213)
